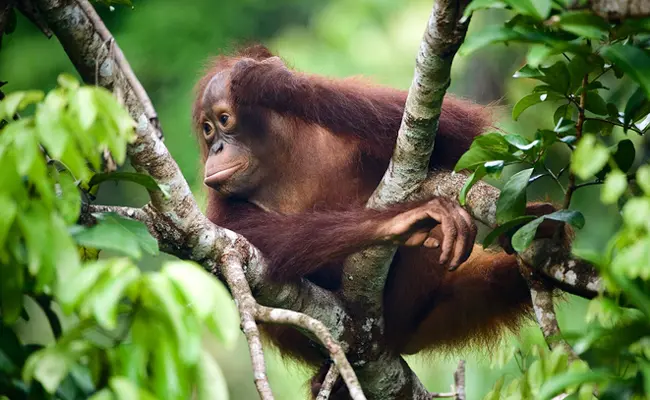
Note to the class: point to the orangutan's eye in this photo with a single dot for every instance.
(223, 119)
(207, 128)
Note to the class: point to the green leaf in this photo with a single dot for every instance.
(528, 71)
(489, 35)
(168, 379)
(564, 125)
(67, 81)
(643, 178)
(106, 300)
(539, 9)
(505, 228)
(635, 105)
(104, 394)
(512, 200)
(584, 24)
(525, 235)
(562, 113)
(49, 367)
(166, 299)
(574, 218)
(479, 4)
(521, 142)
(526, 102)
(556, 384)
(595, 103)
(557, 76)
(141, 179)
(11, 292)
(589, 157)
(495, 393)
(211, 382)
(207, 297)
(17, 101)
(117, 118)
(476, 176)
(624, 156)
(69, 201)
(636, 213)
(537, 54)
(123, 235)
(71, 294)
(52, 132)
(614, 187)
(8, 211)
(632, 60)
(203, 292)
(41, 253)
(578, 67)
(83, 104)
(632, 261)
(126, 390)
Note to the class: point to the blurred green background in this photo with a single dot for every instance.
(167, 42)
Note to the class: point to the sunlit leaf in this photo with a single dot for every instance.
(73, 292)
(168, 378)
(106, 300)
(83, 103)
(114, 232)
(643, 178)
(49, 367)
(589, 157)
(556, 384)
(614, 187)
(17, 101)
(211, 382)
(126, 390)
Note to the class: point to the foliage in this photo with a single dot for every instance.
(128, 334)
(572, 54)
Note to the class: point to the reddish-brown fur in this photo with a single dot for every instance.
(426, 306)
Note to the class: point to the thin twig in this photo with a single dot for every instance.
(123, 65)
(459, 380)
(581, 120)
(234, 275)
(328, 383)
(458, 392)
(315, 327)
(632, 126)
(556, 179)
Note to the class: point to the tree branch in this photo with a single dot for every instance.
(328, 383)
(176, 220)
(542, 297)
(620, 9)
(181, 228)
(318, 329)
(545, 256)
(365, 272)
